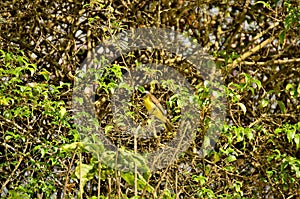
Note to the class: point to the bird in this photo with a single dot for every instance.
(155, 108)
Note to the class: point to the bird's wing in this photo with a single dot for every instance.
(158, 105)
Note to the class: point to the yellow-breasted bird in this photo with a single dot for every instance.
(155, 108)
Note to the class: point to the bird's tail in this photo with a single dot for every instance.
(169, 125)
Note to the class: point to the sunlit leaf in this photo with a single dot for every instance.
(297, 141)
(231, 158)
(243, 107)
(70, 147)
(62, 111)
(264, 102)
(281, 106)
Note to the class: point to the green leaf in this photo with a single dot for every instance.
(281, 106)
(96, 148)
(249, 135)
(258, 83)
(141, 89)
(31, 69)
(267, 5)
(70, 147)
(108, 128)
(8, 137)
(4, 101)
(282, 37)
(243, 107)
(62, 111)
(216, 157)
(84, 169)
(269, 173)
(278, 130)
(46, 74)
(83, 172)
(141, 182)
(278, 155)
(291, 134)
(289, 86)
(297, 141)
(201, 179)
(231, 158)
(264, 103)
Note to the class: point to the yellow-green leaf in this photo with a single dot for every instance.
(243, 107)
(62, 111)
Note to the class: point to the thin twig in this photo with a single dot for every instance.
(135, 167)
(249, 53)
(69, 169)
(12, 173)
(99, 178)
(287, 61)
(80, 176)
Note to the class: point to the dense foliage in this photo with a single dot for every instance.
(256, 46)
